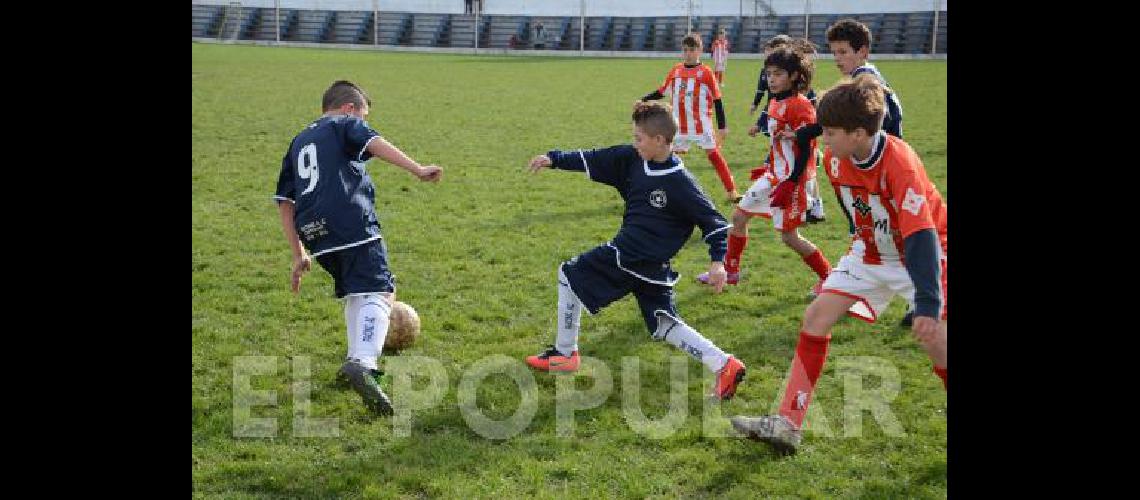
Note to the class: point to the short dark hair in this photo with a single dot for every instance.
(655, 118)
(342, 92)
(851, 31)
(692, 40)
(852, 104)
(789, 59)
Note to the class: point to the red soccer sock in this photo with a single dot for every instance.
(941, 372)
(736, 246)
(722, 170)
(818, 263)
(811, 352)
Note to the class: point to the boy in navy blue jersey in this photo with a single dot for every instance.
(327, 205)
(850, 43)
(663, 202)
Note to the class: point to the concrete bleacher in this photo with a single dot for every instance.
(351, 27)
(426, 29)
(265, 29)
(892, 33)
(205, 20)
(553, 29)
(238, 24)
(310, 26)
(597, 30)
(663, 38)
(395, 28)
(502, 28)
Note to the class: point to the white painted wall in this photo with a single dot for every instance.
(633, 8)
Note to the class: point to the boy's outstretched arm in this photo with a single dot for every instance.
(381, 148)
(606, 165)
(301, 260)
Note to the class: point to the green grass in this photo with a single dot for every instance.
(476, 255)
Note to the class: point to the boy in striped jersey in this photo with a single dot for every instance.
(696, 94)
(720, 55)
(898, 247)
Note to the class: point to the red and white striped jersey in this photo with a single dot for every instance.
(886, 200)
(786, 114)
(694, 90)
(720, 51)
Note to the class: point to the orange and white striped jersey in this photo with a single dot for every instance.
(694, 90)
(886, 199)
(786, 114)
(720, 51)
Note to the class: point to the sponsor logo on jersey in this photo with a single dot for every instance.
(861, 206)
(658, 199)
(913, 201)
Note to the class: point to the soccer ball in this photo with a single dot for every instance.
(403, 327)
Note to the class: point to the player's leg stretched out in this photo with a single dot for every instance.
(599, 279)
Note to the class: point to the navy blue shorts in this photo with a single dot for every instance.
(598, 281)
(359, 269)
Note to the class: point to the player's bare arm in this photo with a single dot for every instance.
(381, 148)
(301, 260)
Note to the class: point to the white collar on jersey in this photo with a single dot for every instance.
(655, 173)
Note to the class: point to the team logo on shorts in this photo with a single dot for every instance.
(657, 198)
(834, 166)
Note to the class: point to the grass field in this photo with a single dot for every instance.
(476, 255)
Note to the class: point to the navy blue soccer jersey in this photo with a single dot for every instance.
(663, 202)
(892, 119)
(324, 175)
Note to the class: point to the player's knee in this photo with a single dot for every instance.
(816, 320)
(740, 221)
(383, 300)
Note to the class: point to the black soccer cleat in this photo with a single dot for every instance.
(907, 320)
(812, 219)
(366, 383)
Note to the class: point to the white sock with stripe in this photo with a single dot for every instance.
(687, 339)
(370, 328)
(569, 317)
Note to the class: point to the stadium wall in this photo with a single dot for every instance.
(635, 8)
(531, 52)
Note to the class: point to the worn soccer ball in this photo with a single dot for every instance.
(403, 327)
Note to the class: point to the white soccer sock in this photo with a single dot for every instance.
(371, 328)
(350, 313)
(569, 317)
(691, 341)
